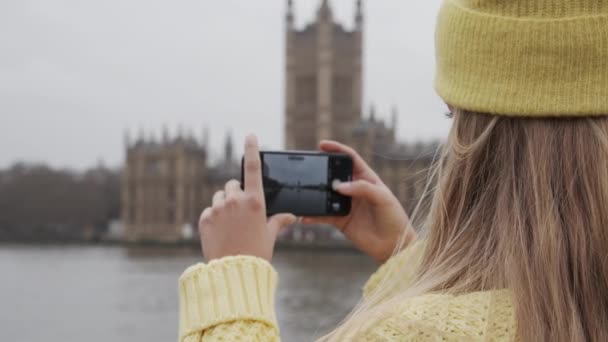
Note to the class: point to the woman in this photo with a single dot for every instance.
(517, 242)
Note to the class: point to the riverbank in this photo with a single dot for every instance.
(326, 246)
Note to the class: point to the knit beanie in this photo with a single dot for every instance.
(530, 58)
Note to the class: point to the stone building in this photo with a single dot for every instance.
(324, 100)
(323, 82)
(167, 183)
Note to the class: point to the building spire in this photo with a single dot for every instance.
(152, 138)
(372, 113)
(359, 15)
(190, 136)
(290, 14)
(394, 115)
(228, 148)
(165, 134)
(180, 132)
(140, 136)
(325, 10)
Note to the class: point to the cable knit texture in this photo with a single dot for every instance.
(232, 299)
(526, 58)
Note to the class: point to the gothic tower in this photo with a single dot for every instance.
(323, 85)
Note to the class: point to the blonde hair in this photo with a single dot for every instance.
(519, 204)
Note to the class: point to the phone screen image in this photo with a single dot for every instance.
(296, 181)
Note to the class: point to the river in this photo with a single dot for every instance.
(101, 294)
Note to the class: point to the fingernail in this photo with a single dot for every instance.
(341, 185)
(335, 184)
(251, 138)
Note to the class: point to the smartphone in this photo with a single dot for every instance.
(300, 183)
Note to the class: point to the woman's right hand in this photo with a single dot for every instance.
(376, 220)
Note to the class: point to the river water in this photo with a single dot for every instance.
(95, 294)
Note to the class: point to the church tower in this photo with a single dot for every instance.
(323, 85)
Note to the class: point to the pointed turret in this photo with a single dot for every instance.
(359, 15)
(228, 148)
(325, 11)
(152, 138)
(165, 134)
(190, 137)
(140, 136)
(290, 15)
(180, 133)
(394, 116)
(372, 113)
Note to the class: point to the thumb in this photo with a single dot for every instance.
(363, 189)
(277, 222)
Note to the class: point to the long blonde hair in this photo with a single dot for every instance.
(518, 204)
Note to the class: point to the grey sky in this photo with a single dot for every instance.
(74, 74)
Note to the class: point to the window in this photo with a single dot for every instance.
(171, 192)
(131, 215)
(306, 90)
(172, 166)
(153, 166)
(342, 90)
(170, 215)
(131, 194)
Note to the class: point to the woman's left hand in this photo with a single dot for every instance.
(236, 223)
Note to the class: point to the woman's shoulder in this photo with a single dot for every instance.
(476, 316)
(405, 263)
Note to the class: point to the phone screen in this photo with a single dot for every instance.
(296, 181)
(300, 183)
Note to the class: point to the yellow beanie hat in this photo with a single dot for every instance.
(524, 57)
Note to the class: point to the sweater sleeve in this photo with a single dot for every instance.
(228, 299)
(405, 264)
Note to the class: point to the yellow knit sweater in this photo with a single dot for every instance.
(232, 299)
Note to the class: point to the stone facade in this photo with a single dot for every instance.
(324, 100)
(167, 183)
(323, 83)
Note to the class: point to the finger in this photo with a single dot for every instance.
(359, 165)
(363, 189)
(278, 222)
(218, 198)
(253, 167)
(320, 220)
(205, 217)
(233, 187)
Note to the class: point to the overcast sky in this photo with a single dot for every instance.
(75, 74)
